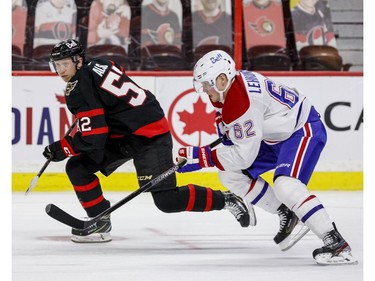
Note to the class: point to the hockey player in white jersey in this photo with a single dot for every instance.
(267, 126)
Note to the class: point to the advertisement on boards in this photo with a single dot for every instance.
(40, 116)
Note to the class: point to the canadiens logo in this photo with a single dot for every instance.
(69, 87)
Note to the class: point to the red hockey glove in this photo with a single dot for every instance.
(197, 158)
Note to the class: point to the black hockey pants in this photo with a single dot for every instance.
(151, 158)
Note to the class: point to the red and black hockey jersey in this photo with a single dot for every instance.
(109, 104)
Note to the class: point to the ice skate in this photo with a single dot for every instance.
(290, 231)
(244, 215)
(336, 251)
(99, 233)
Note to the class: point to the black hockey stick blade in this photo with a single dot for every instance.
(65, 218)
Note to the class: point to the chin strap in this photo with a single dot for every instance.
(221, 93)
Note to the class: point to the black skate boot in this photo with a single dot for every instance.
(288, 222)
(238, 208)
(100, 232)
(336, 250)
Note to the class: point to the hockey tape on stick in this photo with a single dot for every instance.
(35, 179)
(60, 215)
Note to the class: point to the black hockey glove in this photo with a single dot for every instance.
(54, 152)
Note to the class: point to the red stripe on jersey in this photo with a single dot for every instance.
(208, 200)
(216, 160)
(67, 148)
(252, 184)
(153, 129)
(301, 150)
(307, 199)
(97, 131)
(86, 187)
(191, 202)
(114, 136)
(90, 113)
(92, 202)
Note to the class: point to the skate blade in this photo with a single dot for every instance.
(344, 258)
(252, 215)
(92, 238)
(294, 237)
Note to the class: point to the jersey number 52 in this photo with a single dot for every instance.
(123, 90)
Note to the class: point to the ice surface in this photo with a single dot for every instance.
(151, 245)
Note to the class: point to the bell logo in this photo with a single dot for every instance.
(71, 45)
(217, 58)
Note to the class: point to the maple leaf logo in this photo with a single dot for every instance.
(199, 120)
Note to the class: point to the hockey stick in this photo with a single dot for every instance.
(65, 218)
(35, 179)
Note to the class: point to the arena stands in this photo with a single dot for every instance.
(270, 35)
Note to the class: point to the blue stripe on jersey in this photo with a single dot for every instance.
(311, 212)
(261, 194)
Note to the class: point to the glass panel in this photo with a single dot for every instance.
(55, 20)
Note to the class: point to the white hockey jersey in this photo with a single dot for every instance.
(257, 109)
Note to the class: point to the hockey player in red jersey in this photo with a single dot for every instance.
(267, 125)
(119, 121)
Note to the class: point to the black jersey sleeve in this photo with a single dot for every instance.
(109, 104)
(83, 102)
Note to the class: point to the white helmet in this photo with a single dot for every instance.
(210, 66)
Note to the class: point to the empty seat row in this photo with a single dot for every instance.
(172, 35)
